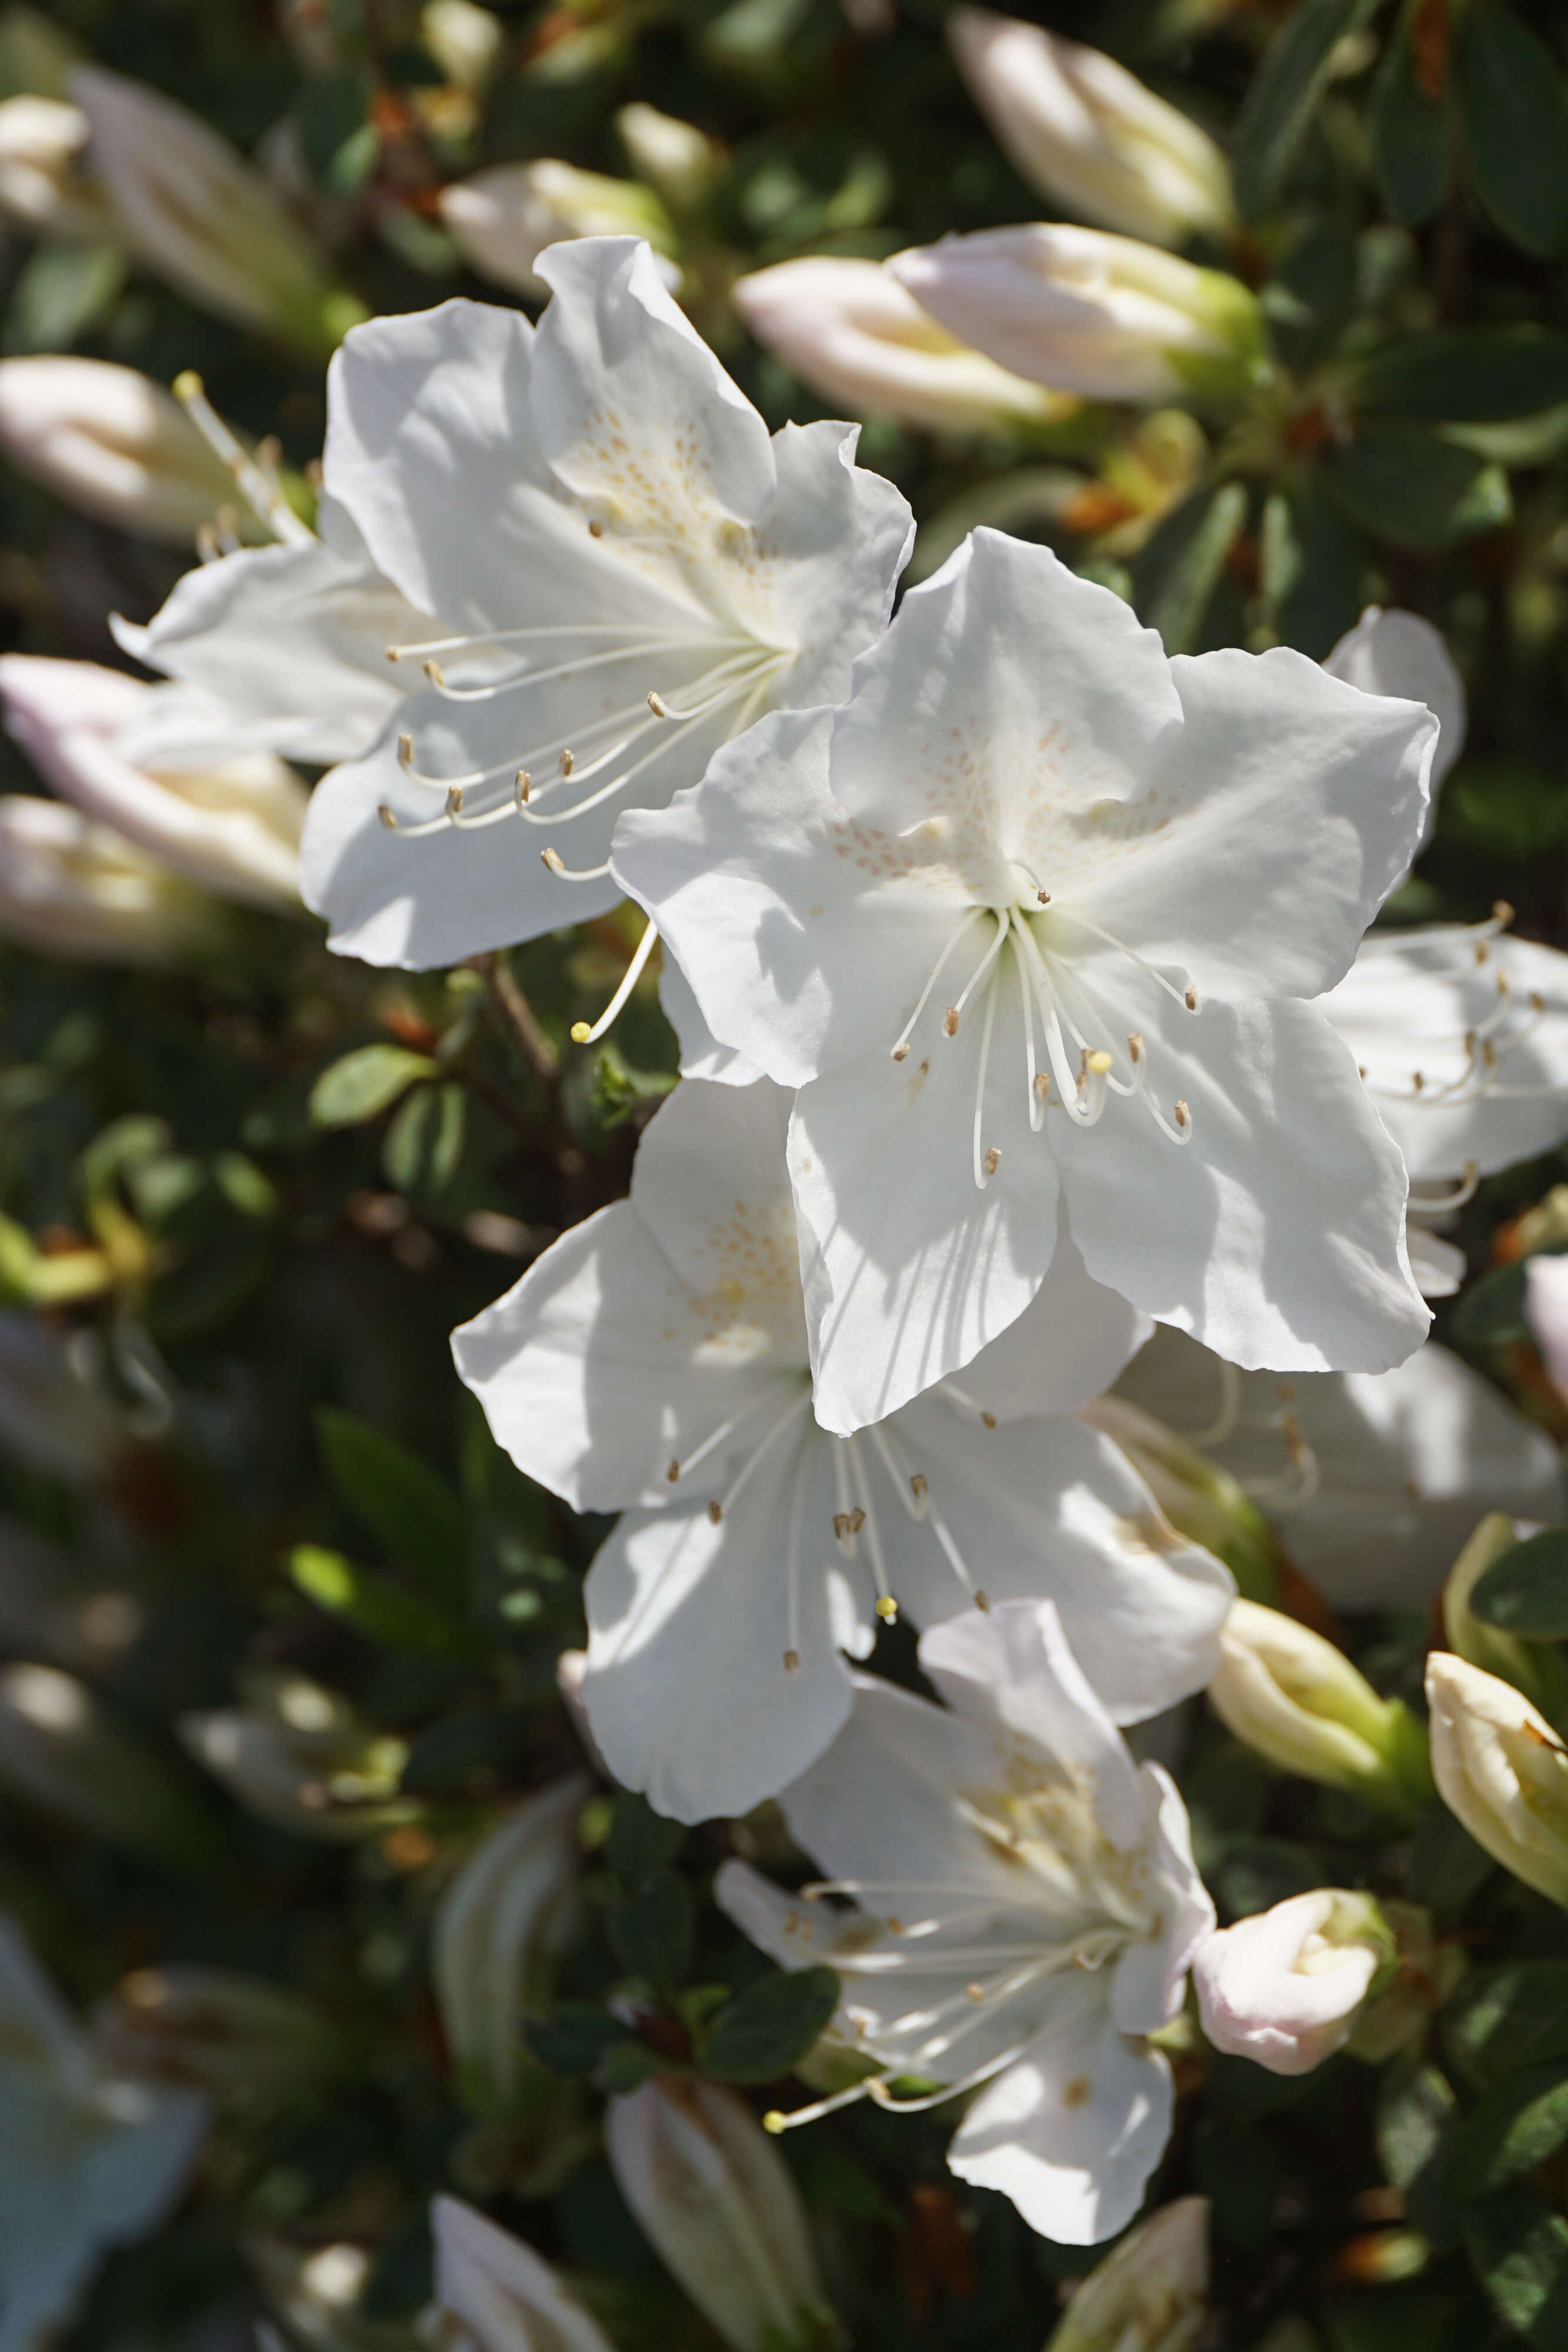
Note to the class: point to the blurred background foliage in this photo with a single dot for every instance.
(243, 1202)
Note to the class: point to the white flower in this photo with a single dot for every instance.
(233, 826)
(493, 2294)
(1284, 1987)
(654, 1361)
(88, 2160)
(1400, 653)
(1032, 915)
(1372, 1479)
(1085, 311)
(70, 888)
(1287, 1691)
(718, 2204)
(849, 331)
(110, 442)
(1027, 1909)
(1546, 1310)
(1502, 1770)
(630, 571)
(503, 219)
(205, 219)
(505, 1918)
(1080, 128)
(42, 183)
(1151, 2293)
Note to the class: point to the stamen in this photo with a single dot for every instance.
(776, 2120)
(573, 873)
(984, 1167)
(886, 1606)
(586, 1034)
(1427, 1203)
(970, 915)
(257, 482)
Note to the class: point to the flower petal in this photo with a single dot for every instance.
(1149, 1981)
(710, 1184)
(1065, 1350)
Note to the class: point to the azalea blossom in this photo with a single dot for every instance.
(232, 826)
(1285, 1986)
(1028, 923)
(1023, 1911)
(1372, 1480)
(628, 571)
(493, 2294)
(654, 1361)
(89, 2161)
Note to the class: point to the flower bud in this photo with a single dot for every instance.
(1284, 1987)
(681, 162)
(110, 442)
(73, 889)
(1084, 131)
(1151, 2291)
(1202, 1501)
(494, 2294)
(298, 1755)
(43, 183)
(1089, 312)
(719, 2206)
(503, 1921)
(851, 332)
(1534, 1667)
(232, 826)
(63, 1750)
(1426, 1974)
(249, 2045)
(466, 41)
(1546, 1312)
(1502, 1770)
(503, 219)
(196, 212)
(1289, 1694)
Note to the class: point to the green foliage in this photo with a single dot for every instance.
(1526, 1591)
(770, 2027)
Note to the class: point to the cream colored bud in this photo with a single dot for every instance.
(1088, 313)
(43, 185)
(717, 2201)
(493, 2294)
(1289, 1694)
(1285, 1988)
(298, 1755)
(112, 443)
(466, 42)
(503, 219)
(851, 332)
(503, 1921)
(681, 162)
(1534, 1667)
(196, 211)
(1083, 130)
(73, 889)
(1151, 2293)
(248, 2044)
(1502, 1770)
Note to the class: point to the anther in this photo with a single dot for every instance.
(393, 653)
(715, 1512)
(775, 2120)
(455, 801)
(658, 707)
(1417, 1082)
(1044, 896)
(900, 1052)
(387, 818)
(1184, 1116)
(982, 1603)
(989, 1419)
(992, 1162)
(1099, 1062)
(673, 1473)
(554, 859)
(887, 1609)
(1135, 1048)
(973, 1992)
(950, 1020)
(522, 785)
(567, 760)
(1537, 1001)
(595, 530)
(404, 750)
(435, 673)
(1043, 1085)
(918, 1485)
(792, 1661)
(1501, 912)
(856, 1520)
(1190, 998)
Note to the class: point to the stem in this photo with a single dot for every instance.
(518, 1016)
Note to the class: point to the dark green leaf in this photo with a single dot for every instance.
(1416, 2112)
(1506, 806)
(1467, 378)
(1504, 2019)
(627, 2066)
(364, 1083)
(651, 1931)
(577, 2039)
(1408, 486)
(1308, 296)
(1519, 2248)
(1492, 1309)
(382, 1611)
(422, 1148)
(641, 1842)
(1284, 97)
(1411, 136)
(400, 1498)
(1447, 1865)
(1186, 581)
(767, 2029)
(1526, 1591)
(1519, 2123)
(1312, 562)
(1515, 117)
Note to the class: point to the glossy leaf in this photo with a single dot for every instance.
(1285, 94)
(1514, 109)
(365, 1083)
(405, 1503)
(1408, 486)
(1526, 1591)
(765, 2029)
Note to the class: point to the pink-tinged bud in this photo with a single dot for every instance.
(1502, 1770)
(1151, 2293)
(493, 2294)
(1284, 1988)
(1088, 313)
(718, 2204)
(110, 442)
(1083, 130)
(850, 331)
(501, 220)
(43, 183)
(232, 825)
(73, 889)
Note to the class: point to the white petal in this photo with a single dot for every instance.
(1149, 1981)
(1436, 1267)
(1277, 1236)
(500, 2290)
(701, 1055)
(1065, 1350)
(710, 1184)
(1072, 2132)
(1546, 1308)
(1399, 653)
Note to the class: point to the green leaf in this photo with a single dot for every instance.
(1411, 136)
(651, 1932)
(400, 1499)
(1310, 566)
(423, 1146)
(1506, 806)
(1492, 1310)
(364, 1083)
(1285, 94)
(63, 291)
(1483, 378)
(767, 2029)
(1186, 581)
(1518, 2123)
(1515, 116)
(1310, 292)
(1408, 486)
(373, 1606)
(1526, 1591)
(641, 1842)
(1415, 2113)
(1519, 2250)
(1505, 2018)
(576, 2040)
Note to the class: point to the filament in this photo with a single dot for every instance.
(584, 1034)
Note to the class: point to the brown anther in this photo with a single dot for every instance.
(522, 784)
(1501, 912)
(404, 750)
(1184, 1116)
(1190, 998)
(1537, 1001)
(1044, 896)
(982, 1603)
(1135, 1048)
(435, 673)
(1043, 1085)
(455, 801)
(973, 1992)
(992, 1162)
(659, 707)
(394, 653)
(792, 1661)
(989, 1418)
(900, 1052)
(841, 1524)
(918, 1485)
(894, 1926)
(567, 759)
(673, 1473)
(715, 1512)
(857, 1520)
(950, 1020)
(552, 858)
(387, 818)
(596, 530)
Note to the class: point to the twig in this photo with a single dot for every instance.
(518, 1016)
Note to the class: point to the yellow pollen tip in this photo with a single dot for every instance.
(888, 1608)
(404, 749)
(792, 1661)
(1501, 911)
(775, 2121)
(950, 1020)
(188, 385)
(1100, 1062)
(393, 653)
(659, 707)
(1190, 998)
(435, 673)
(552, 858)
(715, 1512)
(973, 1992)
(387, 818)
(581, 1032)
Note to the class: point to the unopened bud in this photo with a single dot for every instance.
(493, 2294)
(852, 333)
(43, 182)
(1151, 2293)
(1502, 1770)
(466, 42)
(1082, 129)
(1289, 1694)
(1202, 1501)
(248, 2044)
(1534, 1667)
(110, 442)
(1284, 1988)
(299, 1754)
(73, 889)
(717, 2201)
(676, 159)
(63, 1749)
(503, 219)
(503, 1921)
(1087, 312)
